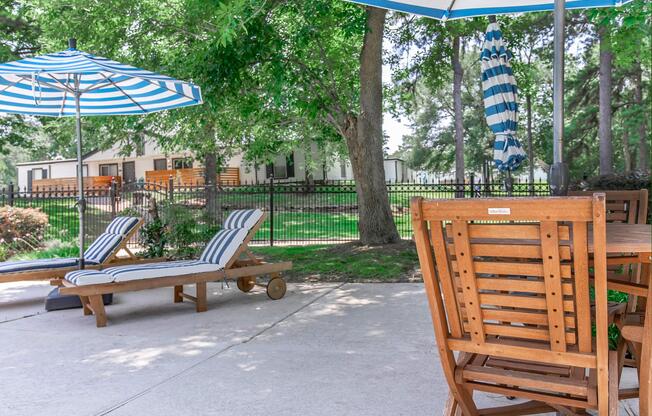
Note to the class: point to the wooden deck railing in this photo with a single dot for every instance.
(191, 176)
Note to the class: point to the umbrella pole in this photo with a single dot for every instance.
(558, 176)
(81, 202)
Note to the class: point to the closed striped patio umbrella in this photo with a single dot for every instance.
(73, 83)
(500, 100)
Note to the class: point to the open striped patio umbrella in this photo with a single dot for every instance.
(458, 9)
(500, 100)
(73, 83)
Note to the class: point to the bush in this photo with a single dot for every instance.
(22, 228)
(632, 181)
(153, 238)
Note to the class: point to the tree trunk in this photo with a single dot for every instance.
(210, 179)
(364, 139)
(627, 155)
(604, 127)
(643, 151)
(458, 73)
(530, 145)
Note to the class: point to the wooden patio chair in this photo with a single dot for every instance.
(103, 252)
(220, 260)
(507, 293)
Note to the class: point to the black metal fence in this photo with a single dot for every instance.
(297, 212)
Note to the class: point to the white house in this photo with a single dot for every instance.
(150, 161)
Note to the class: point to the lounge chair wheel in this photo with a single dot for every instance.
(276, 288)
(246, 283)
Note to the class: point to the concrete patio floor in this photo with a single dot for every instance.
(325, 349)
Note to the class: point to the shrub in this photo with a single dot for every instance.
(153, 238)
(22, 228)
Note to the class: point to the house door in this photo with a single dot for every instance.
(128, 172)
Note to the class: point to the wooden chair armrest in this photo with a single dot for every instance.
(633, 333)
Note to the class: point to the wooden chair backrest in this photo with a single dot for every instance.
(623, 206)
(500, 273)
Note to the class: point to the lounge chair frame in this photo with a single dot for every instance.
(56, 274)
(245, 271)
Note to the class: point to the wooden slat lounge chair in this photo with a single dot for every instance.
(102, 252)
(513, 300)
(219, 260)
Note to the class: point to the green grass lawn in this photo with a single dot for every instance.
(347, 262)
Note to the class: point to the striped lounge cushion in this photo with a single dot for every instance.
(223, 246)
(102, 247)
(121, 225)
(32, 265)
(242, 218)
(154, 270)
(88, 277)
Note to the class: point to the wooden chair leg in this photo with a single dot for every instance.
(84, 302)
(645, 377)
(97, 304)
(451, 406)
(201, 297)
(614, 378)
(177, 294)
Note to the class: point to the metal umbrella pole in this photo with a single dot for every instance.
(559, 175)
(81, 202)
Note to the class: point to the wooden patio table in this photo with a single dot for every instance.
(637, 238)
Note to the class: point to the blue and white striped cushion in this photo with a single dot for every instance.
(88, 277)
(223, 246)
(101, 248)
(242, 218)
(121, 225)
(40, 264)
(155, 270)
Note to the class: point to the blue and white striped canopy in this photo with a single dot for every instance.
(457, 9)
(500, 100)
(45, 86)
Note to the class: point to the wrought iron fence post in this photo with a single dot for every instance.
(10, 194)
(171, 188)
(472, 182)
(271, 210)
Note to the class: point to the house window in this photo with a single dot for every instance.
(182, 163)
(109, 169)
(343, 169)
(282, 167)
(39, 174)
(160, 164)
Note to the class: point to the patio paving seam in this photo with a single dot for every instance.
(217, 353)
(22, 317)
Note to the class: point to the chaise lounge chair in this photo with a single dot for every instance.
(101, 253)
(219, 260)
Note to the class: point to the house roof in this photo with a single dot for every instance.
(46, 162)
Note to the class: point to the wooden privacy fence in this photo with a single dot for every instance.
(90, 182)
(191, 177)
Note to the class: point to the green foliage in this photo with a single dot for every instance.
(22, 228)
(153, 238)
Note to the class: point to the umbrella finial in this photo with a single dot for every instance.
(72, 43)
